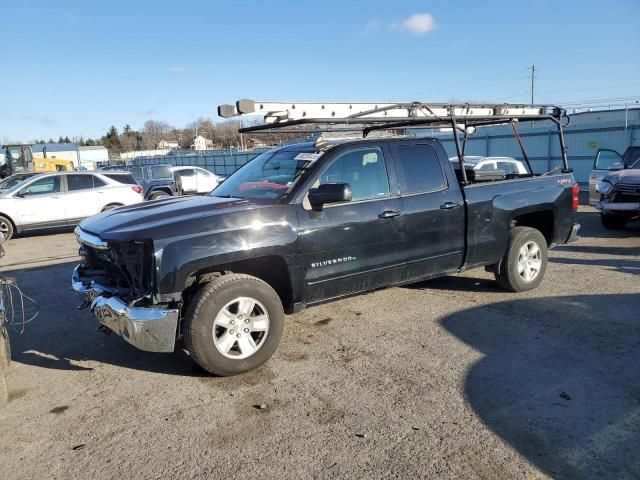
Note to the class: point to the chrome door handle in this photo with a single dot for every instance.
(389, 214)
(449, 205)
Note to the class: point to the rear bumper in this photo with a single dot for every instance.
(573, 233)
(149, 329)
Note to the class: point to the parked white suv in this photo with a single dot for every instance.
(63, 199)
(190, 180)
(508, 165)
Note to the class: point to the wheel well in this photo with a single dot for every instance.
(112, 204)
(166, 190)
(270, 269)
(13, 224)
(542, 221)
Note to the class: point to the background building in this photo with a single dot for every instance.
(64, 151)
(168, 145)
(201, 143)
(89, 156)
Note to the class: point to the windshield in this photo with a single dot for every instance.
(13, 181)
(270, 175)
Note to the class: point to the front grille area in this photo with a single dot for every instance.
(124, 267)
(625, 193)
(627, 188)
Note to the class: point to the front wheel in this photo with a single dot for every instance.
(6, 227)
(525, 262)
(233, 324)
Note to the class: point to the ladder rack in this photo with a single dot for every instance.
(392, 115)
(383, 115)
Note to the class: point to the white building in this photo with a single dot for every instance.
(89, 156)
(64, 151)
(201, 143)
(167, 145)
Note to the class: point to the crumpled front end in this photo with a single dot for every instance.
(116, 281)
(621, 197)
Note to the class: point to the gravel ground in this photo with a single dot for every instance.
(450, 378)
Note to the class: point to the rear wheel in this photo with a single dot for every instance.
(6, 227)
(156, 195)
(233, 324)
(111, 207)
(613, 222)
(525, 262)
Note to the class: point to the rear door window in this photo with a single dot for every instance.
(120, 178)
(137, 173)
(161, 172)
(79, 182)
(420, 169)
(98, 182)
(507, 167)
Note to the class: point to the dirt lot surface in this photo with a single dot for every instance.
(451, 378)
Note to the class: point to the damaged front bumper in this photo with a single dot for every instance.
(148, 328)
(618, 207)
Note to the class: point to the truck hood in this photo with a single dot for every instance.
(631, 176)
(167, 217)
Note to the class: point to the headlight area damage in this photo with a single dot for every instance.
(116, 280)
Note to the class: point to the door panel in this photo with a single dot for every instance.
(353, 246)
(349, 248)
(434, 212)
(41, 203)
(206, 181)
(188, 180)
(80, 199)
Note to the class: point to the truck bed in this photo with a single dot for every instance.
(490, 206)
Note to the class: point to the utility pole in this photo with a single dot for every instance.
(533, 82)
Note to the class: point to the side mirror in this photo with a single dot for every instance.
(22, 193)
(616, 166)
(329, 193)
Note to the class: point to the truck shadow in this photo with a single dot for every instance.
(559, 380)
(631, 267)
(65, 338)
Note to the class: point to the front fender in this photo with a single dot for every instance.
(180, 258)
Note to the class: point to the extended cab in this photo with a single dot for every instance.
(301, 225)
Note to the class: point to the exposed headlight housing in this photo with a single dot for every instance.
(604, 187)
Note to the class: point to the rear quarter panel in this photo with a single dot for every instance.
(491, 208)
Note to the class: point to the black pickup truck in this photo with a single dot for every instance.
(301, 225)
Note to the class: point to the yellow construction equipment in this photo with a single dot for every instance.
(19, 159)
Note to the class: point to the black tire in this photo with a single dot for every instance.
(111, 206)
(613, 222)
(508, 276)
(6, 227)
(156, 195)
(205, 306)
